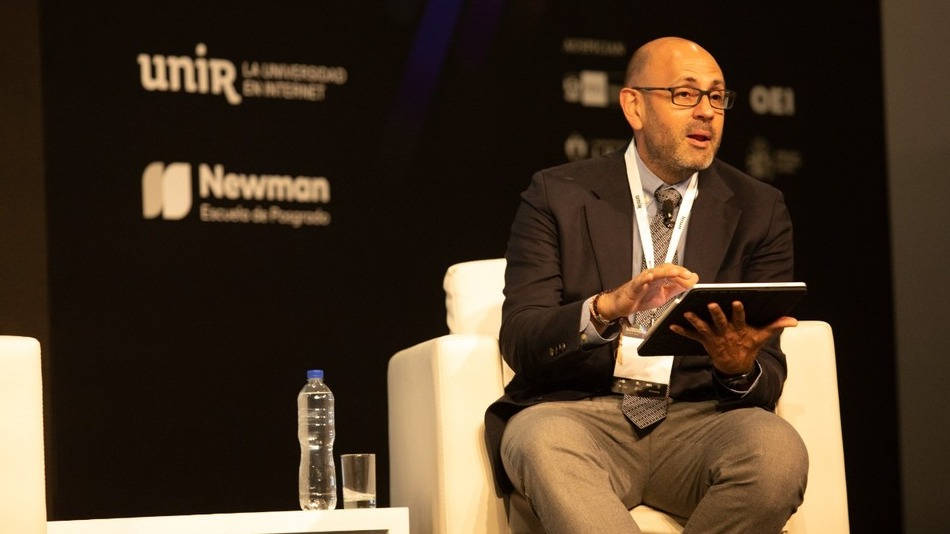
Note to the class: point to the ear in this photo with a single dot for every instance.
(631, 102)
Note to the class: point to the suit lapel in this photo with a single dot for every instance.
(711, 226)
(610, 223)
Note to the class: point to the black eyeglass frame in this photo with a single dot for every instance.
(728, 95)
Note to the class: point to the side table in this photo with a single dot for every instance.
(350, 521)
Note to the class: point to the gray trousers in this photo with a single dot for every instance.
(578, 467)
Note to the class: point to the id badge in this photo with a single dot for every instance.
(629, 364)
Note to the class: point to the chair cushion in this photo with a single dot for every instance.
(653, 521)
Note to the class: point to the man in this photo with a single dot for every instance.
(580, 436)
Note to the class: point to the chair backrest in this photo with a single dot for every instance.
(473, 299)
(22, 479)
(473, 296)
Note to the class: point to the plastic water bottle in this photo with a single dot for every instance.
(315, 430)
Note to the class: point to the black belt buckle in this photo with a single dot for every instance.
(640, 388)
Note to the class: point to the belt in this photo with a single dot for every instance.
(640, 388)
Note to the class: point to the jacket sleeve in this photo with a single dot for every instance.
(771, 260)
(540, 337)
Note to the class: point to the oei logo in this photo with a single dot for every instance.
(772, 100)
(166, 190)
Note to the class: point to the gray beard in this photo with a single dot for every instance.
(666, 154)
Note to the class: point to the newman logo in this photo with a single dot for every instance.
(166, 190)
(231, 197)
(213, 181)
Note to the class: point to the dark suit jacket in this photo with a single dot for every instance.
(572, 237)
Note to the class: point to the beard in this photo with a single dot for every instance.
(667, 147)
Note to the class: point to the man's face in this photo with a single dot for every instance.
(677, 140)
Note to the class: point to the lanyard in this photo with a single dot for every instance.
(640, 209)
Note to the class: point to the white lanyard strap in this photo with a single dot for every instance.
(640, 209)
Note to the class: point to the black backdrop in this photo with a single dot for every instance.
(178, 345)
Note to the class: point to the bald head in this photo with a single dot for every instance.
(658, 52)
(674, 138)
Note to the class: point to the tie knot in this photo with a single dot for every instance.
(668, 199)
(668, 194)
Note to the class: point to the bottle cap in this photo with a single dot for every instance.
(314, 373)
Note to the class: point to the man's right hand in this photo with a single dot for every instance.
(649, 289)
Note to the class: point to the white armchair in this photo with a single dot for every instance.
(22, 481)
(439, 390)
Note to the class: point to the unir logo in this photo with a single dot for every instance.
(193, 75)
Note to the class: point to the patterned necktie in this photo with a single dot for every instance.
(646, 411)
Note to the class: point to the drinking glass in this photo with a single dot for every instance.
(359, 480)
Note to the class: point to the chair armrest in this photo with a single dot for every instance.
(810, 403)
(22, 480)
(439, 468)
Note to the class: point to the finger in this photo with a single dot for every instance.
(634, 285)
(668, 270)
(698, 323)
(644, 288)
(646, 276)
(718, 318)
(687, 276)
(782, 322)
(738, 315)
(765, 333)
(637, 293)
(677, 329)
(675, 289)
(690, 279)
(639, 287)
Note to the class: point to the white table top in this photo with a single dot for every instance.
(388, 520)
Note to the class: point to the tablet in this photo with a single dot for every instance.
(763, 303)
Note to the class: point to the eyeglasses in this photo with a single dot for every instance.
(687, 96)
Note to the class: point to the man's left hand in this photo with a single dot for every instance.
(732, 344)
